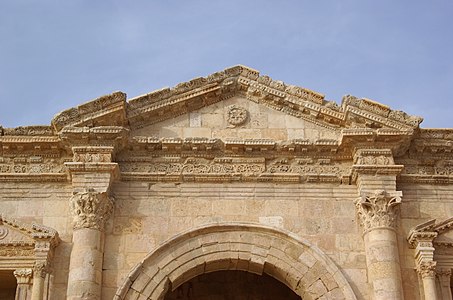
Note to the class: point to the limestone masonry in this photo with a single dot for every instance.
(230, 186)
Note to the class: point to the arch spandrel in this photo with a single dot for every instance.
(258, 249)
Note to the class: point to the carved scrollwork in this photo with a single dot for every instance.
(90, 209)
(378, 210)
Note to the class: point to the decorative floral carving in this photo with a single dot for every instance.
(14, 250)
(236, 115)
(378, 210)
(90, 209)
(427, 269)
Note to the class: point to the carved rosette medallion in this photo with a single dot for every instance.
(427, 269)
(236, 115)
(378, 210)
(90, 209)
(3, 232)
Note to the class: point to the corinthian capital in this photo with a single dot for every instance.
(378, 209)
(23, 276)
(427, 269)
(90, 209)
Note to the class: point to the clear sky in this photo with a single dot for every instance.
(58, 54)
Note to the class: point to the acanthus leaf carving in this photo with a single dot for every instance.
(23, 276)
(90, 209)
(379, 209)
(41, 268)
(427, 269)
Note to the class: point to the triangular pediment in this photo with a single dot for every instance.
(236, 82)
(14, 233)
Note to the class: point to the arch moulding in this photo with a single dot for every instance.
(258, 249)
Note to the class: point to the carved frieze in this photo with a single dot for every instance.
(29, 131)
(11, 166)
(90, 209)
(379, 209)
(14, 250)
(227, 168)
(378, 157)
(92, 154)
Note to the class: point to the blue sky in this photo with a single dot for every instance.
(57, 54)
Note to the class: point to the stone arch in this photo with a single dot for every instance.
(303, 267)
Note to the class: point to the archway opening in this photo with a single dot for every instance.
(8, 285)
(232, 285)
(253, 248)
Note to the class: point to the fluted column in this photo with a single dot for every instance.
(23, 278)
(377, 213)
(90, 210)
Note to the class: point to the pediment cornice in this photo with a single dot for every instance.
(24, 245)
(160, 105)
(430, 230)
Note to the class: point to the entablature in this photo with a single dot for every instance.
(44, 152)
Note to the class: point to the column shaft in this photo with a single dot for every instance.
(90, 209)
(429, 286)
(383, 265)
(85, 272)
(444, 278)
(38, 288)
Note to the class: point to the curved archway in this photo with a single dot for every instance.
(237, 246)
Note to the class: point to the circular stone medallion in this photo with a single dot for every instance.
(236, 115)
(3, 232)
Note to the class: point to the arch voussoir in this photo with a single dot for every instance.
(243, 247)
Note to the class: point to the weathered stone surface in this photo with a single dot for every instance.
(228, 173)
